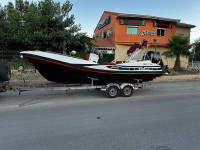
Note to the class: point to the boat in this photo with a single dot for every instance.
(69, 69)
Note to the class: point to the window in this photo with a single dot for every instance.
(102, 35)
(132, 30)
(161, 32)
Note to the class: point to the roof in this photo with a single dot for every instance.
(178, 23)
(103, 43)
(185, 25)
(143, 16)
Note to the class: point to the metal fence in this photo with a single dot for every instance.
(194, 66)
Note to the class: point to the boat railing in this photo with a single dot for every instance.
(136, 55)
(119, 56)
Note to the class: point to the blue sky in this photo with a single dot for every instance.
(88, 12)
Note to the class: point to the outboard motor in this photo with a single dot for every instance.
(156, 58)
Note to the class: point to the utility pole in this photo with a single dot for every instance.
(193, 56)
(155, 41)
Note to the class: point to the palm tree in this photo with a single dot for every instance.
(178, 46)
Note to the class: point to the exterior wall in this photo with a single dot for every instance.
(122, 37)
(108, 26)
(182, 31)
(119, 49)
(123, 40)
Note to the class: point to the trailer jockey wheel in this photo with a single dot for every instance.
(112, 91)
(127, 91)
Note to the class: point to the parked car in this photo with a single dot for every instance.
(5, 75)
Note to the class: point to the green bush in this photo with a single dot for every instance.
(14, 64)
(81, 53)
(106, 58)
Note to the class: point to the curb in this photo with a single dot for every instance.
(178, 77)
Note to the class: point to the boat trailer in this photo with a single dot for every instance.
(112, 90)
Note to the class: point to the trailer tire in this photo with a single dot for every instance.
(112, 91)
(3, 86)
(127, 91)
(3, 89)
(5, 72)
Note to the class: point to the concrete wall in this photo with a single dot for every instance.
(121, 36)
(182, 31)
(119, 49)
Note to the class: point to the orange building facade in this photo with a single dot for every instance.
(116, 32)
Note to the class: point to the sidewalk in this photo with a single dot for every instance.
(178, 77)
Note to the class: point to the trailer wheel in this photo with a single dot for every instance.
(3, 86)
(127, 91)
(112, 91)
(5, 73)
(3, 89)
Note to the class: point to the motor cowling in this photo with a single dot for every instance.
(154, 57)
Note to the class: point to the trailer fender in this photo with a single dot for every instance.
(105, 88)
(125, 84)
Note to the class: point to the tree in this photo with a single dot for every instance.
(49, 26)
(196, 49)
(15, 15)
(178, 46)
(46, 25)
(3, 28)
(5, 31)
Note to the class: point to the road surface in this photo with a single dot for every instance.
(164, 116)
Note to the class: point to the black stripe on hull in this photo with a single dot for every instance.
(61, 72)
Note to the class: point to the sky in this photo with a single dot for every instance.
(88, 12)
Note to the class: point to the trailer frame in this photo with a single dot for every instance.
(112, 90)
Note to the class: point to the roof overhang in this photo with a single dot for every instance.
(184, 25)
(147, 17)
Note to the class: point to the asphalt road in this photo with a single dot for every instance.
(164, 116)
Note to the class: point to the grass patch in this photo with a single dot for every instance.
(182, 71)
(14, 64)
